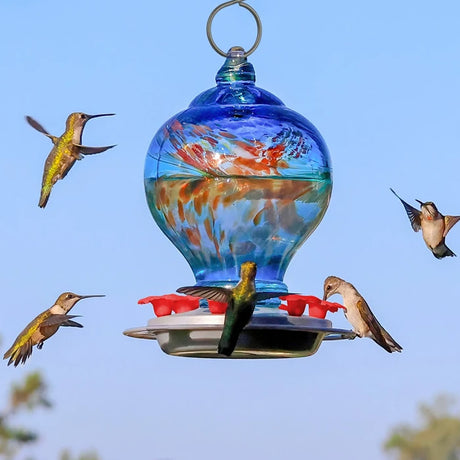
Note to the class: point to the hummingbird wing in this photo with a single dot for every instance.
(19, 354)
(449, 222)
(414, 214)
(36, 125)
(218, 294)
(71, 323)
(371, 321)
(22, 346)
(378, 332)
(61, 320)
(92, 150)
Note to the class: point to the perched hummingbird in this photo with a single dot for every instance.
(359, 314)
(434, 226)
(67, 149)
(241, 302)
(44, 326)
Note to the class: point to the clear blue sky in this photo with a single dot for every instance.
(380, 80)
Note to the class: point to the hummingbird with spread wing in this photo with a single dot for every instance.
(44, 326)
(433, 224)
(359, 314)
(241, 302)
(66, 151)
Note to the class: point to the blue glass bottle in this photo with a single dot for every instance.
(238, 176)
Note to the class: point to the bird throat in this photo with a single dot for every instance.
(57, 310)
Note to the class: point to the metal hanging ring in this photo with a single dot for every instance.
(244, 5)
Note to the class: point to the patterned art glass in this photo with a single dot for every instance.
(238, 176)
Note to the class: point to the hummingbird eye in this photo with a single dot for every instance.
(82, 115)
(69, 296)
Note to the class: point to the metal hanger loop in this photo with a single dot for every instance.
(244, 5)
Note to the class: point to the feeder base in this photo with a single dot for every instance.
(197, 334)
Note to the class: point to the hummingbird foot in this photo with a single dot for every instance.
(40, 345)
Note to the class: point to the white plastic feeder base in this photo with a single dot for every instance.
(268, 335)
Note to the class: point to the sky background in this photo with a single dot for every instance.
(380, 81)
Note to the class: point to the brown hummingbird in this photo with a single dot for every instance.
(241, 302)
(67, 149)
(44, 326)
(359, 314)
(434, 226)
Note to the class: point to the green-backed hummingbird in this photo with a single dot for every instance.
(44, 326)
(241, 301)
(66, 151)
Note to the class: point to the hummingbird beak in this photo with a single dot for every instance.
(421, 202)
(100, 115)
(88, 296)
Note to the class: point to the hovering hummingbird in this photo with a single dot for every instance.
(434, 226)
(44, 326)
(241, 302)
(359, 314)
(67, 149)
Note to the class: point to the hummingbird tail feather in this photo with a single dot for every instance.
(382, 343)
(44, 196)
(388, 343)
(394, 346)
(441, 251)
(227, 343)
(20, 354)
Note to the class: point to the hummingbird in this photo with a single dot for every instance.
(44, 326)
(434, 226)
(67, 149)
(359, 314)
(241, 301)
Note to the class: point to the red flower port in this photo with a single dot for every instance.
(317, 308)
(217, 308)
(164, 305)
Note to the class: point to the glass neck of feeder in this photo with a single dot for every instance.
(236, 68)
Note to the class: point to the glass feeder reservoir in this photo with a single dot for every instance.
(238, 176)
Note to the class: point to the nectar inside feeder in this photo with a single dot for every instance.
(236, 177)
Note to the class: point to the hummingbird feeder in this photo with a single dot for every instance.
(236, 177)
